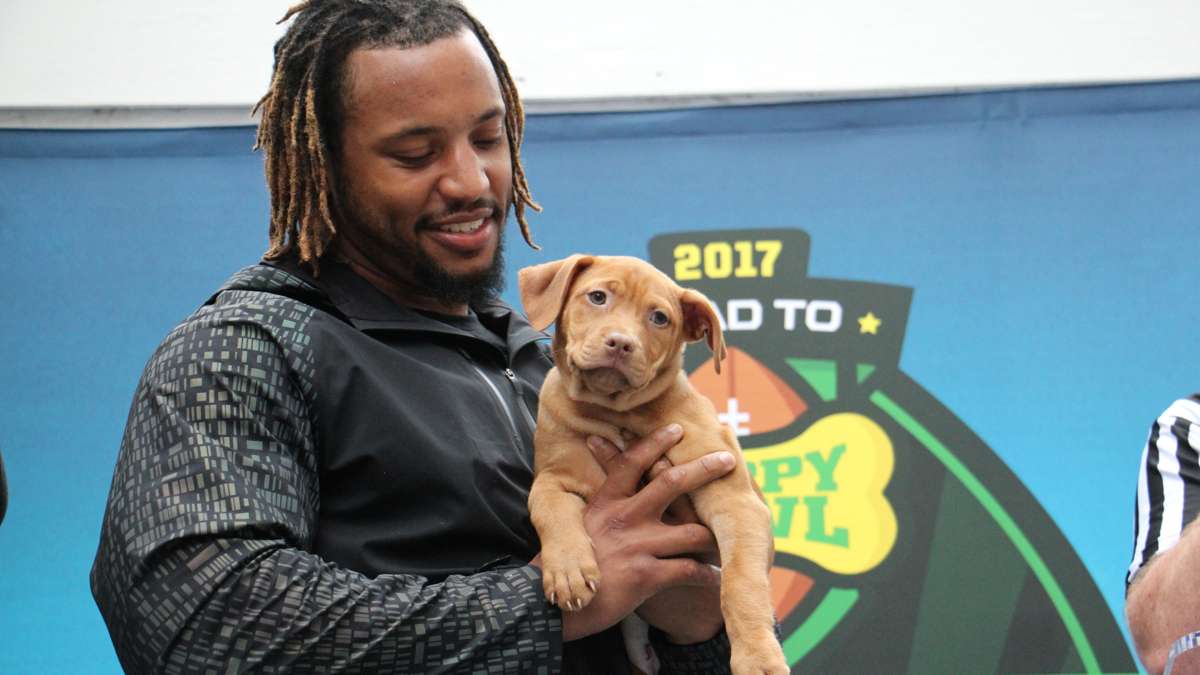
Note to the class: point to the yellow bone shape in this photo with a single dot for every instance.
(825, 488)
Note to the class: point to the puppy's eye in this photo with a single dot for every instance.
(659, 318)
(597, 298)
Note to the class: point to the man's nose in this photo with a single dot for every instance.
(465, 177)
(619, 344)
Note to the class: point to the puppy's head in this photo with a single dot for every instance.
(621, 323)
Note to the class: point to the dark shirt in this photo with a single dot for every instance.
(315, 479)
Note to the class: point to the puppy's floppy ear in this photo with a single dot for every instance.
(544, 288)
(700, 320)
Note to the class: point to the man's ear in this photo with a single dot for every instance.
(700, 321)
(544, 288)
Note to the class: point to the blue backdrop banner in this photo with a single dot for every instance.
(995, 284)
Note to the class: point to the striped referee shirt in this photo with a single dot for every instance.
(1168, 489)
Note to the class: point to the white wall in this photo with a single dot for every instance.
(208, 60)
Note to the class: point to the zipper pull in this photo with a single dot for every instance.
(508, 372)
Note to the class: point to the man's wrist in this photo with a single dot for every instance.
(708, 656)
(694, 634)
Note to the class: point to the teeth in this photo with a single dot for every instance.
(462, 228)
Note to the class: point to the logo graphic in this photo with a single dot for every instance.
(903, 543)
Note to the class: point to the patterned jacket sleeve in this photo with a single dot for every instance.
(202, 564)
(706, 658)
(1168, 488)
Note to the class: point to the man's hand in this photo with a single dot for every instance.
(689, 610)
(635, 550)
(687, 614)
(1159, 606)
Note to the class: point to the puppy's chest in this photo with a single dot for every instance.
(620, 428)
(582, 419)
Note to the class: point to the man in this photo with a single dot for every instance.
(325, 468)
(1161, 603)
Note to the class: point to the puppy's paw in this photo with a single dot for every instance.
(570, 581)
(762, 656)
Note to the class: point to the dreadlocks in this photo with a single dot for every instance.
(302, 111)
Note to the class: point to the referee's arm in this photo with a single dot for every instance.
(1161, 604)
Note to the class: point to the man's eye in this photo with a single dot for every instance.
(413, 160)
(597, 298)
(659, 318)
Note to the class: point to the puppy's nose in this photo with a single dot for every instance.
(618, 344)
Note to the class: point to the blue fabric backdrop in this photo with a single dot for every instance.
(1050, 237)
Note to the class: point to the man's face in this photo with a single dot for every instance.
(425, 171)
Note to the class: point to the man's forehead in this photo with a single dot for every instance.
(407, 78)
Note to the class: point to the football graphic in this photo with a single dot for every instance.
(903, 543)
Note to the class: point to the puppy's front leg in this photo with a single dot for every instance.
(570, 574)
(741, 523)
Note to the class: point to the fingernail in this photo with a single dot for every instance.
(672, 430)
(595, 442)
(725, 459)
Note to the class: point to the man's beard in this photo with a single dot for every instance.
(431, 279)
(470, 288)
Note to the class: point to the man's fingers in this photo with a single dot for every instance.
(676, 540)
(679, 480)
(681, 511)
(603, 451)
(684, 572)
(660, 465)
(647, 450)
(625, 469)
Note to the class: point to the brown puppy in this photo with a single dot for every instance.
(618, 351)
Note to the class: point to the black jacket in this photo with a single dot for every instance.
(314, 479)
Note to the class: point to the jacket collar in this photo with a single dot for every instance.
(339, 291)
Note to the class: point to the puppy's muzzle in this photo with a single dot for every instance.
(611, 366)
(619, 345)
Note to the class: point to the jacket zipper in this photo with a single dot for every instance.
(530, 423)
(512, 422)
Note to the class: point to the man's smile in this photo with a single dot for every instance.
(465, 233)
(462, 228)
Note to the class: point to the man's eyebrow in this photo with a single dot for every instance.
(412, 132)
(490, 115)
